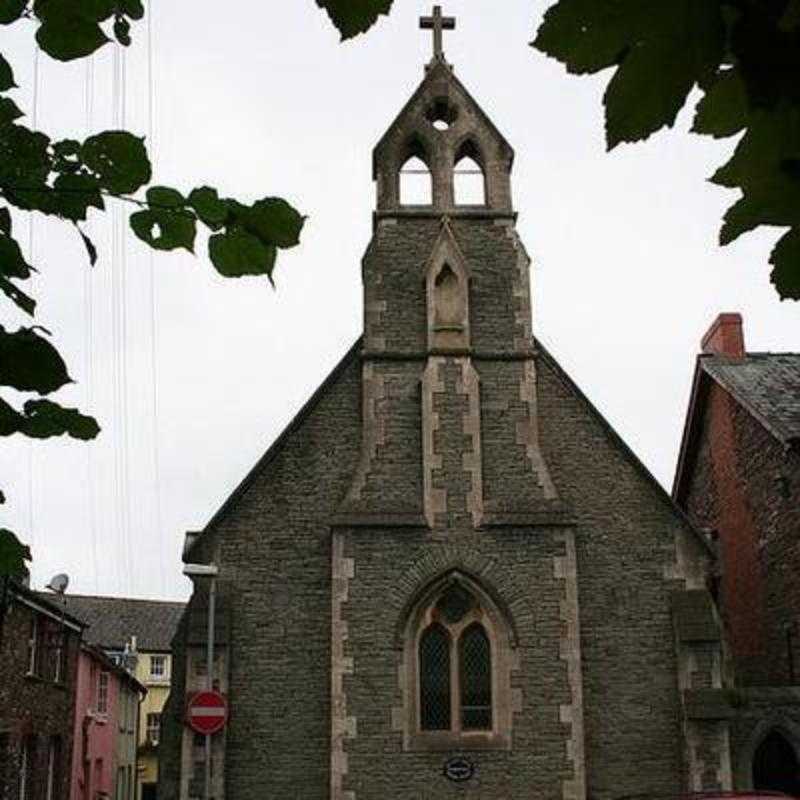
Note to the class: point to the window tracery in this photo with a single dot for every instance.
(458, 662)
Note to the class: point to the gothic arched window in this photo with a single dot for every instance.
(469, 179)
(455, 666)
(458, 656)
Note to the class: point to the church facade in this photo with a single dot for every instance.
(449, 577)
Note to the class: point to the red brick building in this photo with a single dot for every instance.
(738, 478)
(39, 646)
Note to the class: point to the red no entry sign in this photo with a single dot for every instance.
(207, 712)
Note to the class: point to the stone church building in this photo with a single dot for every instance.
(449, 577)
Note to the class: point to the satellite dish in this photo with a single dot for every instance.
(58, 583)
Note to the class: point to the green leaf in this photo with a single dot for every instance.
(67, 155)
(211, 211)
(44, 419)
(11, 10)
(17, 296)
(30, 363)
(273, 220)
(89, 245)
(70, 36)
(766, 204)
(237, 252)
(684, 47)
(5, 222)
(791, 17)
(6, 75)
(9, 111)
(13, 555)
(352, 17)
(12, 262)
(122, 31)
(132, 8)
(119, 159)
(93, 10)
(662, 50)
(24, 162)
(74, 194)
(165, 197)
(785, 259)
(723, 110)
(165, 228)
(587, 35)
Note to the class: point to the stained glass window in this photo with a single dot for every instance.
(434, 679)
(475, 675)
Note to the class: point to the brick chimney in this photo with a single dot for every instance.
(725, 337)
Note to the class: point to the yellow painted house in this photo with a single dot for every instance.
(138, 634)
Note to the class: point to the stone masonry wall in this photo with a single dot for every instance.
(633, 551)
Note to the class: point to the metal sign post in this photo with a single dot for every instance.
(210, 571)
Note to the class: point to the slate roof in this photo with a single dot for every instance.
(113, 620)
(767, 385)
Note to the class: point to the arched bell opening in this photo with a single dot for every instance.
(415, 177)
(469, 177)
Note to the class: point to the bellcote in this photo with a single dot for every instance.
(443, 138)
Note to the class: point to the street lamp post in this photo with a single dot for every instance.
(207, 571)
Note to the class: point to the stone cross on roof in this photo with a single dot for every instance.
(437, 23)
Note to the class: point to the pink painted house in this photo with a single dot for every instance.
(106, 729)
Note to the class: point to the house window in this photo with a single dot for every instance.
(27, 759)
(53, 768)
(153, 728)
(459, 656)
(4, 764)
(35, 646)
(158, 667)
(102, 692)
(59, 655)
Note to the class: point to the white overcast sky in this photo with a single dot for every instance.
(261, 99)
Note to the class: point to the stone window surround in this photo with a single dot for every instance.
(499, 632)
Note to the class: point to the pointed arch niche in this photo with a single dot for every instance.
(776, 766)
(447, 288)
(415, 180)
(469, 177)
(457, 661)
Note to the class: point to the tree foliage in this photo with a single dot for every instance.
(70, 179)
(745, 57)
